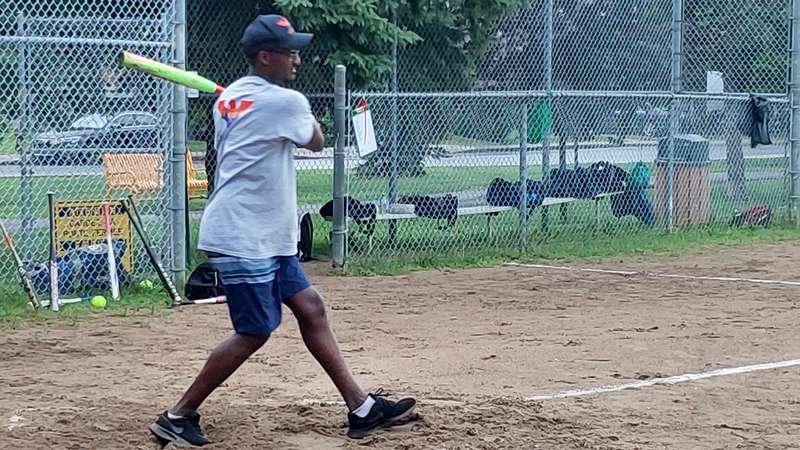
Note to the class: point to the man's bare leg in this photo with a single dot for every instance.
(181, 424)
(367, 413)
(318, 336)
(221, 364)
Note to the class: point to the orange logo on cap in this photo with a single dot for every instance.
(283, 22)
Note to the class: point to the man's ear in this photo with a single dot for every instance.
(263, 58)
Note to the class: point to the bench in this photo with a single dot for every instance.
(134, 172)
(489, 210)
(404, 211)
(144, 172)
(194, 184)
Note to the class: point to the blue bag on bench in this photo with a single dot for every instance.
(507, 193)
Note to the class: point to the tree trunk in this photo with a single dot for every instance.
(737, 182)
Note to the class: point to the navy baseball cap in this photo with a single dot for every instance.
(272, 32)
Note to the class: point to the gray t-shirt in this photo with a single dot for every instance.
(252, 212)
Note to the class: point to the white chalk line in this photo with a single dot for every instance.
(654, 274)
(685, 378)
(667, 381)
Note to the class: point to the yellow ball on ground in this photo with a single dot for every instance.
(98, 301)
(146, 284)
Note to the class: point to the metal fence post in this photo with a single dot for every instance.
(677, 46)
(675, 88)
(523, 179)
(23, 141)
(338, 240)
(794, 99)
(178, 152)
(395, 119)
(548, 86)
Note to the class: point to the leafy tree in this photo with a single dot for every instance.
(440, 44)
(498, 45)
(746, 41)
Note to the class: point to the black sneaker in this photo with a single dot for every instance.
(185, 430)
(384, 413)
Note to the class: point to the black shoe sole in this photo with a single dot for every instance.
(386, 423)
(163, 434)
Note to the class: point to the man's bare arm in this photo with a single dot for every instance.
(317, 142)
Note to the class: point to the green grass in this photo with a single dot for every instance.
(72, 187)
(14, 310)
(197, 146)
(421, 245)
(8, 143)
(580, 246)
(314, 186)
(576, 237)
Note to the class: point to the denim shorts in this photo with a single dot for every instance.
(256, 289)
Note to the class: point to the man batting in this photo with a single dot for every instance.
(249, 232)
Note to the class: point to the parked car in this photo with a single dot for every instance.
(90, 136)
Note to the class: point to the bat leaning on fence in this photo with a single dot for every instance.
(169, 73)
(113, 278)
(27, 284)
(53, 262)
(130, 208)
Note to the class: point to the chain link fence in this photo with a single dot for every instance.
(570, 122)
(64, 103)
(747, 41)
(582, 122)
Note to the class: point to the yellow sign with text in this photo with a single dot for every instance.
(80, 223)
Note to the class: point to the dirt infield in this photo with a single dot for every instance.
(471, 345)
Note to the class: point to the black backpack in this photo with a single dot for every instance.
(502, 193)
(204, 282)
(306, 238)
(603, 177)
(506, 193)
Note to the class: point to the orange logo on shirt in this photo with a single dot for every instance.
(232, 109)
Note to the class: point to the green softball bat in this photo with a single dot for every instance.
(169, 73)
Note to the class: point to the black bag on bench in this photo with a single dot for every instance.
(603, 178)
(506, 193)
(364, 214)
(444, 207)
(599, 178)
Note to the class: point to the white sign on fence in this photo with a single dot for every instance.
(365, 132)
(715, 84)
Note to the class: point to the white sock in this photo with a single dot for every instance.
(363, 410)
(173, 416)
